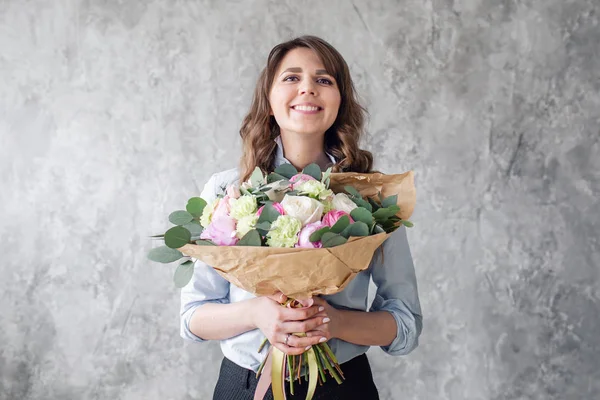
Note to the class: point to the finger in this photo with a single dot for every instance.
(303, 342)
(303, 326)
(318, 333)
(306, 302)
(291, 351)
(300, 314)
(278, 297)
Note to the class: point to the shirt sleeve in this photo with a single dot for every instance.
(206, 285)
(393, 273)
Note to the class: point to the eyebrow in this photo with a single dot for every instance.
(297, 69)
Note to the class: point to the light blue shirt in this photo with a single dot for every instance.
(393, 275)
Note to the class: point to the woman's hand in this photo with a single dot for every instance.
(280, 323)
(333, 324)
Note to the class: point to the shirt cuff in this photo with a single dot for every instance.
(409, 325)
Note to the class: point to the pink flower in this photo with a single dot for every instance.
(221, 231)
(299, 179)
(277, 206)
(233, 191)
(304, 236)
(223, 208)
(332, 217)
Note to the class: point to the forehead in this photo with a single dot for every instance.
(301, 57)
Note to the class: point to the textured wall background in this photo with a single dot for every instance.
(112, 113)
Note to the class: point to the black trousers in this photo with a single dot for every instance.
(237, 383)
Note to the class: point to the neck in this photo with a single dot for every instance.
(302, 151)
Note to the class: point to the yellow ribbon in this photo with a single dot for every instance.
(278, 374)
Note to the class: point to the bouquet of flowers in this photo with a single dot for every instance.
(303, 234)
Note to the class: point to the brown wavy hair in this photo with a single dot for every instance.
(259, 128)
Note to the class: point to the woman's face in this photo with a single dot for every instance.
(304, 98)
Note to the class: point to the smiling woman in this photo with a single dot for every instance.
(304, 111)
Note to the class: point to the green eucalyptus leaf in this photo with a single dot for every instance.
(264, 225)
(363, 215)
(183, 274)
(358, 229)
(257, 178)
(164, 254)
(194, 228)
(407, 223)
(313, 170)
(385, 213)
(245, 192)
(180, 217)
(330, 239)
(362, 203)
(195, 206)
(252, 238)
(274, 177)
(286, 170)
(352, 191)
(316, 235)
(269, 213)
(177, 237)
(341, 224)
(390, 201)
(375, 206)
(205, 243)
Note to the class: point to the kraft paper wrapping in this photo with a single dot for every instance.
(301, 273)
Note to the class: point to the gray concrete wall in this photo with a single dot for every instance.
(111, 114)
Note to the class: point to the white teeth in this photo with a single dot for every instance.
(305, 108)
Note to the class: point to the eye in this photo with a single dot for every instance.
(325, 81)
(287, 78)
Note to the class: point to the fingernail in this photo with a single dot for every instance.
(323, 339)
(321, 308)
(326, 319)
(308, 347)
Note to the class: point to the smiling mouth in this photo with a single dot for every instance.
(307, 108)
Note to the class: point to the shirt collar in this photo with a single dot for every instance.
(280, 159)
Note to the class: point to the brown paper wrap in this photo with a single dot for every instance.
(301, 273)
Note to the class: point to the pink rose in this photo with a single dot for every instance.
(223, 208)
(221, 231)
(299, 179)
(277, 206)
(233, 191)
(332, 217)
(304, 236)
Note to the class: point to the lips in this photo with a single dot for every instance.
(307, 107)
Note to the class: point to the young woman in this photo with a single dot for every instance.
(305, 111)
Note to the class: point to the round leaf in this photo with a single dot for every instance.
(331, 240)
(194, 228)
(286, 170)
(177, 237)
(363, 215)
(252, 238)
(408, 224)
(180, 217)
(317, 235)
(164, 254)
(195, 206)
(358, 229)
(341, 224)
(313, 170)
(268, 214)
(183, 274)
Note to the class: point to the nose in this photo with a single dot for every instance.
(308, 87)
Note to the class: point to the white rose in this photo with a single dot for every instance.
(277, 191)
(306, 209)
(342, 202)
